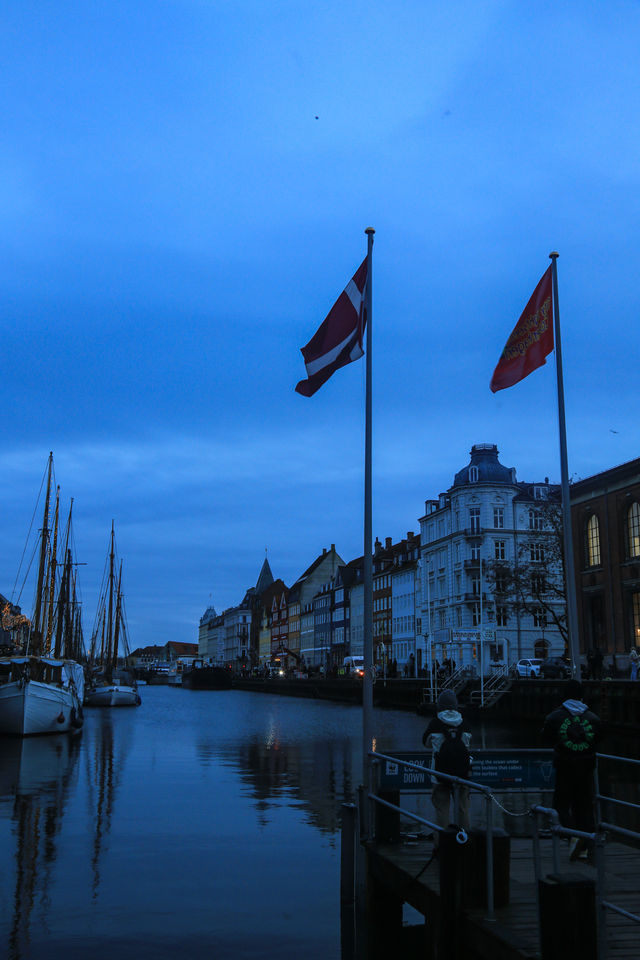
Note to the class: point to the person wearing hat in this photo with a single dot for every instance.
(449, 738)
(574, 731)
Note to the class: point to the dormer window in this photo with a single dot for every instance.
(473, 474)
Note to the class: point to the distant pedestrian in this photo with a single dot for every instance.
(634, 659)
(448, 736)
(598, 660)
(574, 731)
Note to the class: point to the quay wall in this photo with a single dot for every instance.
(617, 702)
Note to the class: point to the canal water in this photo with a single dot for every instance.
(203, 823)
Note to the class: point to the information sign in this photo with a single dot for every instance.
(501, 770)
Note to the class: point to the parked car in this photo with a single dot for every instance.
(555, 668)
(526, 668)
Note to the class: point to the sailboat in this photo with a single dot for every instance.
(42, 688)
(111, 684)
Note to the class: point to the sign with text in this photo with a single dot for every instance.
(500, 770)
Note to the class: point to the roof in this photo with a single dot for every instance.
(265, 577)
(484, 456)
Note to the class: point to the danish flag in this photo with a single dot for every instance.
(338, 339)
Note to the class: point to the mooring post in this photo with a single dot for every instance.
(451, 855)
(348, 881)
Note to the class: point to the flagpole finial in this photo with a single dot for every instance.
(370, 230)
(553, 255)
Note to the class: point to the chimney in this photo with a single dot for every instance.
(377, 547)
(324, 551)
(409, 534)
(387, 543)
(333, 548)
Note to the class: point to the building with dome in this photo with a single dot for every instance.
(490, 569)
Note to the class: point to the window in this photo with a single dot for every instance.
(500, 551)
(633, 530)
(498, 518)
(475, 615)
(539, 618)
(473, 474)
(635, 612)
(535, 520)
(501, 583)
(536, 553)
(474, 519)
(475, 584)
(538, 584)
(501, 616)
(593, 541)
(475, 551)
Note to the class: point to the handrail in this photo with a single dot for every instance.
(457, 782)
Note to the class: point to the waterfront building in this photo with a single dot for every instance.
(342, 584)
(490, 568)
(405, 625)
(307, 585)
(211, 635)
(356, 609)
(237, 622)
(293, 602)
(280, 627)
(382, 560)
(322, 626)
(605, 515)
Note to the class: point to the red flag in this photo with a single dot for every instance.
(531, 339)
(338, 339)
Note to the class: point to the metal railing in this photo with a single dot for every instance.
(457, 783)
(598, 838)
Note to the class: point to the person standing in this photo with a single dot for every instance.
(633, 663)
(574, 731)
(449, 738)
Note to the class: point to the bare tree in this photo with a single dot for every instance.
(533, 582)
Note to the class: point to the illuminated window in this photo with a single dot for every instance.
(633, 530)
(635, 611)
(593, 541)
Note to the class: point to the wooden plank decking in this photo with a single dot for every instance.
(514, 934)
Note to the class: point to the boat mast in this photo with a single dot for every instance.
(116, 632)
(63, 596)
(38, 624)
(110, 620)
(52, 577)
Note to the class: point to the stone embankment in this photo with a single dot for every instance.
(617, 702)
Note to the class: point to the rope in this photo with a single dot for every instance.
(512, 813)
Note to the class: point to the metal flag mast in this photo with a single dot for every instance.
(367, 686)
(569, 573)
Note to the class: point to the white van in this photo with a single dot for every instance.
(354, 666)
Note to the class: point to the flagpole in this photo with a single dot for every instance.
(367, 684)
(569, 573)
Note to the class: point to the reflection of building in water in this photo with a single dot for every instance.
(317, 774)
(37, 774)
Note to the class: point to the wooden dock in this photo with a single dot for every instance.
(396, 875)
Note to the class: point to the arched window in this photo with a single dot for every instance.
(593, 541)
(541, 649)
(633, 530)
(473, 474)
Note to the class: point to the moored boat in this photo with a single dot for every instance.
(40, 695)
(110, 683)
(207, 676)
(41, 691)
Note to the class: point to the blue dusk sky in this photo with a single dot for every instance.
(185, 186)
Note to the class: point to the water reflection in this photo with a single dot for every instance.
(105, 766)
(36, 776)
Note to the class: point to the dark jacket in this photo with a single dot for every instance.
(439, 729)
(574, 732)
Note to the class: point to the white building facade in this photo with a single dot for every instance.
(486, 518)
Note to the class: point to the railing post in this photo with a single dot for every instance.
(490, 898)
(600, 891)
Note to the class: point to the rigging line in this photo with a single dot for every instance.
(24, 549)
(35, 550)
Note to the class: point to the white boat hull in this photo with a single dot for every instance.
(29, 708)
(113, 695)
